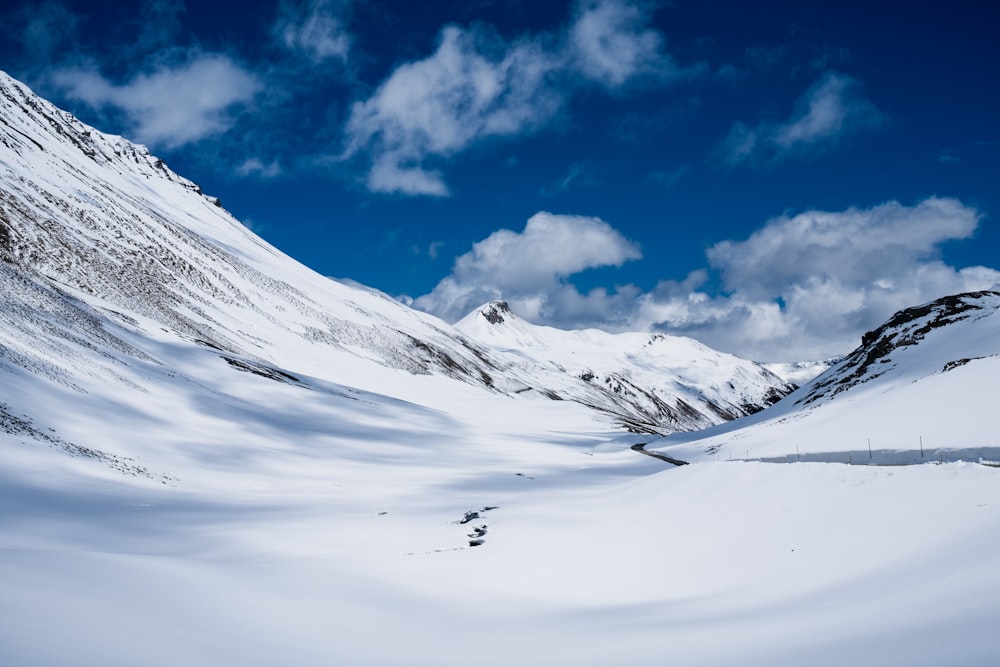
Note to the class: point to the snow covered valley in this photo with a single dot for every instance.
(214, 456)
(356, 554)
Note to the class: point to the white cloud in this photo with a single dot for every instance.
(808, 285)
(434, 248)
(258, 168)
(529, 269)
(315, 30)
(169, 106)
(865, 244)
(388, 174)
(473, 88)
(440, 105)
(801, 287)
(832, 108)
(611, 43)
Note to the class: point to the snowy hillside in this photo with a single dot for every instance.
(211, 455)
(679, 381)
(92, 215)
(100, 223)
(926, 380)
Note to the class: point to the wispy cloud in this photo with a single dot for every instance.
(173, 104)
(43, 29)
(610, 42)
(441, 104)
(315, 30)
(579, 174)
(666, 180)
(156, 25)
(473, 88)
(529, 269)
(834, 107)
(434, 248)
(255, 167)
(160, 86)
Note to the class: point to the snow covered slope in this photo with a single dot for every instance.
(669, 380)
(923, 386)
(88, 214)
(98, 222)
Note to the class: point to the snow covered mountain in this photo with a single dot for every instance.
(922, 386)
(94, 229)
(647, 378)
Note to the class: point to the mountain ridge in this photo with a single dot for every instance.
(920, 384)
(105, 230)
(697, 386)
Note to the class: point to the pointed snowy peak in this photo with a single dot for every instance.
(496, 323)
(491, 314)
(496, 312)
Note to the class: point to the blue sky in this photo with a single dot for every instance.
(773, 178)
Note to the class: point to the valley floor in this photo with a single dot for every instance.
(592, 555)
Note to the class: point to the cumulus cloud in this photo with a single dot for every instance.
(473, 88)
(806, 286)
(831, 109)
(439, 105)
(314, 30)
(529, 269)
(802, 287)
(171, 105)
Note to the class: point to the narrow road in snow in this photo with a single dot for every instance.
(641, 448)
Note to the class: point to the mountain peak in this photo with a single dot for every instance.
(496, 312)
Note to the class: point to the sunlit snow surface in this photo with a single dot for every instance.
(923, 389)
(219, 480)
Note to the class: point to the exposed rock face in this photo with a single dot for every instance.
(493, 312)
(877, 353)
